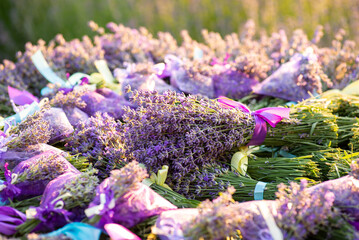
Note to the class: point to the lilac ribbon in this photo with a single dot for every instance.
(43, 212)
(225, 60)
(21, 97)
(83, 81)
(10, 218)
(271, 115)
(11, 190)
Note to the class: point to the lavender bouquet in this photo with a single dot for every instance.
(112, 105)
(296, 214)
(120, 199)
(99, 139)
(65, 199)
(14, 156)
(30, 177)
(238, 78)
(194, 78)
(212, 179)
(182, 132)
(71, 104)
(295, 79)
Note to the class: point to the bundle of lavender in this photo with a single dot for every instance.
(298, 213)
(120, 199)
(72, 104)
(297, 79)
(182, 132)
(98, 139)
(175, 198)
(30, 177)
(64, 200)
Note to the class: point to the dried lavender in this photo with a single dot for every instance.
(182, 132)
(119, 199)
(30, 177)
(46, 167)
(33, 130)
(215, 221)
(100, 141)
(126, 178)
(301, 214)
(71, 99)
(82, 190)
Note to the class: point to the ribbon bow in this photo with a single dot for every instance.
(107, 202)
(8, 189)
(239, 160)
(75, 80)
(159, 178)
(270, 115)
(55, 206)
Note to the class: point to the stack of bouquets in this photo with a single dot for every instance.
(201, 144)
(325, 211)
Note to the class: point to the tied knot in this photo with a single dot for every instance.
(270, 115)
(8, 188)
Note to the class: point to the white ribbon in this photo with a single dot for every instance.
(14, 178)
(274, 230)
(95, 210)
(31, 212)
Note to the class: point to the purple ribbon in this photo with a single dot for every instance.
(271, 115)
(51, 214)
(10, 218)
(84, 81)
(11, 190)
(21, 97)
(225, 60)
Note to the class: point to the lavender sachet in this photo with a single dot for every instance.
(110, 103)
(71, 104)
(30, 177)
(14, 156)
(123, 199)
(296, 80)
(64, 200)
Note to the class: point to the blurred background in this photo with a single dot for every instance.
(22, 21)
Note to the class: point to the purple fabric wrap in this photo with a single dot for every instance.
(283, 82)
(21, 97)
(346, 191)
(14, 156)
(75, 115)
(59, 123)
(131, 208)
(233, 84)
(113, 104)
(271, 115)
(28, 189)
(10, 218)
(196, 83)
(50, 216)
(11, 190)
